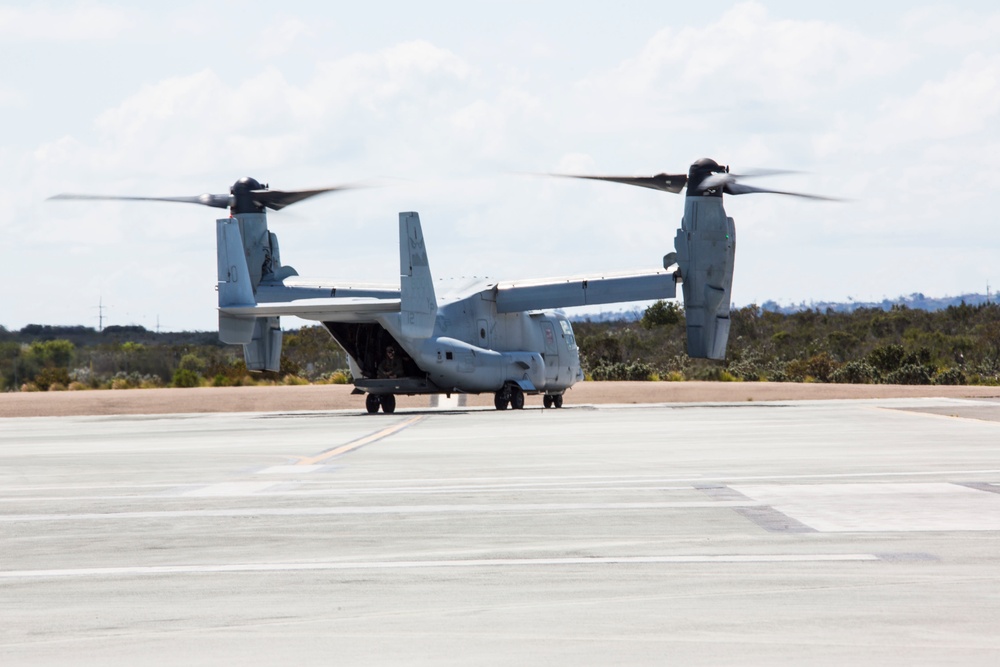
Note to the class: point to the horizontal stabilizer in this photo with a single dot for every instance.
(335, 309)
(584, 291)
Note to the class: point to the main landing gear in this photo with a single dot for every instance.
(512, 395)
(552, 400)
(387, 401)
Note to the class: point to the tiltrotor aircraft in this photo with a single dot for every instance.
(474, 336)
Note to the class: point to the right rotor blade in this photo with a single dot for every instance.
(734, 188)
(664, 182)
(279, 199)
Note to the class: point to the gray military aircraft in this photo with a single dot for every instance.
(465, 336)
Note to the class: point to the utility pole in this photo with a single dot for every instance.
(100, 314)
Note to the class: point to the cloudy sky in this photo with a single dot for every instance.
(894, 106)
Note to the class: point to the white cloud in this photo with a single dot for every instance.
(44, 24)
(283, 38)
(960, 104)
(748, 55)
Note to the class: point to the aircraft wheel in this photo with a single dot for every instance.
(388, 404)
(547, 401)
(557, 401)
(516, 398)
(499, 401)
(372, 403)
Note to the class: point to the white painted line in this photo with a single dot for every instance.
(882, 507)
(230, 489)
(412, 564)
(375, 509)
(290, 469)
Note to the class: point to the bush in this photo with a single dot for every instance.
(910, 374)
(120, 383)
(951, 376)
(856, 372)
(341, 376)
(191, 362)
(661, 314)
(186, 378)
(634, 371)
(886, 358)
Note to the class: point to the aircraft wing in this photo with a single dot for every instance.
(584, 291)
(327, 309)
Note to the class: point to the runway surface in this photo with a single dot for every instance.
(819, 532)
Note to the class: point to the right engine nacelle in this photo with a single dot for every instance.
(706, 253)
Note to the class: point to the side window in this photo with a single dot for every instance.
(568, 333)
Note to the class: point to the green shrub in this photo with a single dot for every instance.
(910, 374)
(185, 378)
(951, 376)
(855, 372)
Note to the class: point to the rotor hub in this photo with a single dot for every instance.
(243, 196)
(699, 171)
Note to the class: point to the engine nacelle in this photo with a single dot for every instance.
(706, 254)
(263, 352)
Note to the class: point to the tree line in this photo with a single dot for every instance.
(45, 358)
(956, 345)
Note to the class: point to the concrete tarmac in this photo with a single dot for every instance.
(817, 532)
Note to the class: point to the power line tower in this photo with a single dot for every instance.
(100, 314)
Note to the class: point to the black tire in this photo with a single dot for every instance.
(516, 398)
(388, 404)
(499, 401)
(557, 401)
(371, 403)
(547, 401)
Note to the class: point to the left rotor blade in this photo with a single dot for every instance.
(665, 182)
(215, 201)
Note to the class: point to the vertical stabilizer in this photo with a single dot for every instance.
(418, 305)
(235, 288)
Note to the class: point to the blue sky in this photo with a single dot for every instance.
(894, 106)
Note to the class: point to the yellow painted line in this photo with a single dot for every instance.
(367, 440)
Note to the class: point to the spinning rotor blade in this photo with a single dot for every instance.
(705, 178)
(247, 196)
(731, 186)
(735, 188)
(665, 182)
(215, 201)
(279, 199)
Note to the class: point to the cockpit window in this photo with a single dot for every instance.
(568, 333)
